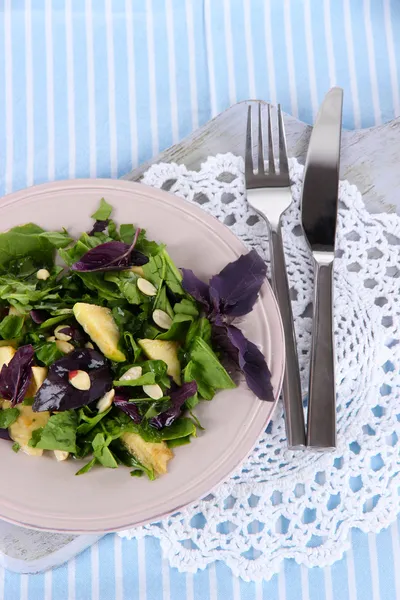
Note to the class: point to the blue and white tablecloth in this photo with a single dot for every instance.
(94, 87)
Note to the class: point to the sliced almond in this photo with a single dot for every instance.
(89, 345)
(146, 287)
(154, 391)
(106, 401)
(132, 373)
(162, 319)
(64, 347)
(64, 337)
(51, 338)
(80, 380)
(61, 455)
(43, 274)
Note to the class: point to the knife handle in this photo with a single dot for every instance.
(321, 423)
(291, 389)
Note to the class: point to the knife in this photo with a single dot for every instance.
(319, 213)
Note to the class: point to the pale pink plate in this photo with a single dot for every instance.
(41, 493)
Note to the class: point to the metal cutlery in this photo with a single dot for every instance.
(319, 214)
(268, 192)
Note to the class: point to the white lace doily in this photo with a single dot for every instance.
(284, 504)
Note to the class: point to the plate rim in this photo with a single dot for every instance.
(231, 240)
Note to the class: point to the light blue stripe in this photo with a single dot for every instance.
(153, 569)
(300, 60)
(239, 50)
(361, 565)
(320, 50)
(292, 579)
(247, 590)
(12, 585)
(280, 58)
(382, 60)
(130, 568)
(106, 568)
(361, 61)
(83, 578)
(386, 565)
(219, 57)
(270, 589)
(2, 107)
(142, 82)
(340, 580)
(201, 586)
(39, 94)
(341, 60)
(224, 582)
(59, 583)
(81, 90)
(162, 74)
(36, 586)
(121, 88)
(316, 581)
(19, 100)
(177, 582)
(203, 86)
(182, 68)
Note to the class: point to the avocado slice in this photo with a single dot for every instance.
(164, 350)
(100, 326)
(151, 454)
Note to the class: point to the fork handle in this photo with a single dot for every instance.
(291, 390)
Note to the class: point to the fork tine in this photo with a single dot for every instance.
(271, 158)
(248, 163)
(283, 160)
(260, 143)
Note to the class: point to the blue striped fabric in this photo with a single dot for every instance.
(94, 87)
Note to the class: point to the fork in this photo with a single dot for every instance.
(269, 194)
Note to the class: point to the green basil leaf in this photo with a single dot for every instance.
(8, 417)
(11, 327)
(59, 433)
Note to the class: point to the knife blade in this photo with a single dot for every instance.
(319, 214)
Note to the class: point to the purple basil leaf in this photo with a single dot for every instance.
(178, 396)
(111, 256)
(98, 227)
(235, 289)
(77, 334)
(4, 435)
(196, 288)
(16, 376)
(130, 408)
(56, 393)
(248, 358)
(39, 316)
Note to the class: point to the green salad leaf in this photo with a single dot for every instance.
(8, 417)
(59, 433)
(103, 212)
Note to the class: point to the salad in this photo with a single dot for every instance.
(106, 347)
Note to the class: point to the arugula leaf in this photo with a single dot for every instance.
(126, 282)
(28, 401)
(186, 307)
(89, 421)
(113, 231)
(48, 353)
(180, 428)
(206, 370)
(131, 344)
(8, 417)
(102, 452)
(178, 329)
(15, 447)
(11, 327)
(145, 379)
(146, 246)
(57, 239)
(86, 468)
(200, 328)
(54, 321)
(126, 232)
(28, 241)
(206, 391)
(59, 433)
(103, 212)
(162, 303)
(155, 270)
